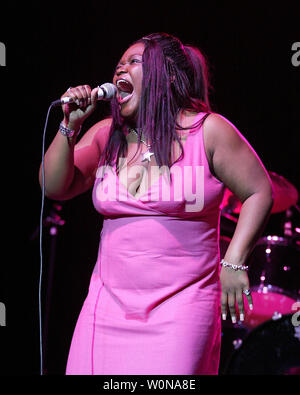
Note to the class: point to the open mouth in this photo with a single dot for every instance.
(125, 91)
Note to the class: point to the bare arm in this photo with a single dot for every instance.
(236, 164)
(70, 167)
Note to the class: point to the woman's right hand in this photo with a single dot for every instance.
(84, 103)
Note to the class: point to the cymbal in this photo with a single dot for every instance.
(285, 195)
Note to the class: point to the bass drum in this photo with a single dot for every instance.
(274, 275)
(272, 348)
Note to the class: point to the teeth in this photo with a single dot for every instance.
(121, 81)
(124, 86)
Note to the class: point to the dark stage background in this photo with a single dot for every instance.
(53, 45)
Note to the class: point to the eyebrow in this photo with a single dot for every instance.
(131, 56)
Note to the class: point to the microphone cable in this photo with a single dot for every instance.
(106, 92)
(41, 240)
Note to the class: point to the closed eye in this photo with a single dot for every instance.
(135, 61)
(131, 61)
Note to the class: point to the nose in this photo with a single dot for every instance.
(122, 69)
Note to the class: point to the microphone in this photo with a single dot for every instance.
(106, 92)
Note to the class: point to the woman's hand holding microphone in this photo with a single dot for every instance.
(83, 103)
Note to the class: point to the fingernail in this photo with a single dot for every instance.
(224, 317)
(233, 319)
(251, 306)
(242, 317)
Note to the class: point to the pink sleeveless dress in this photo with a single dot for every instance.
(153, 306)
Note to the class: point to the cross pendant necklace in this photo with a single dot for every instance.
(146, 155)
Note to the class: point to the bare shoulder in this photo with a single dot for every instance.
(232, 159)
(220, 131)
(98, 134)
(217, 121)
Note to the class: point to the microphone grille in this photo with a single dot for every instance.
(110, 90)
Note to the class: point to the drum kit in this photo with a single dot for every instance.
(274, 276)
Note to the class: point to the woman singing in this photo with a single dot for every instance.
(157, 168)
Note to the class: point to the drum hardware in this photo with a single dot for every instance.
(276, 316)
(231, 340)
(288, 227)
(285, 195)
(274, 275)
(237, 343)
(271, 348)
(53, 222)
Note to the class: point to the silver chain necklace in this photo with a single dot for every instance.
(146, 155)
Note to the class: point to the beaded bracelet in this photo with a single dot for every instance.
(234, 267)
(66, 131)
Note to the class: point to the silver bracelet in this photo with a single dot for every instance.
(234, 267)
(66, 131)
